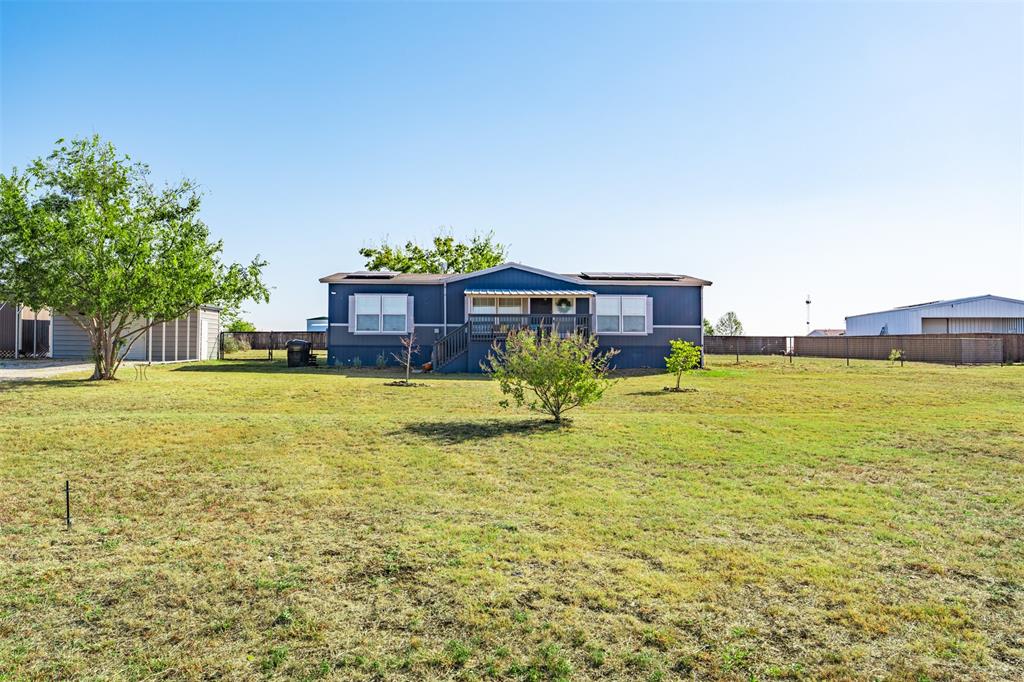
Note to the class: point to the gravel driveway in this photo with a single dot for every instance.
(15, 370)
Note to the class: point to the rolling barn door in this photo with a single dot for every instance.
(934, 325)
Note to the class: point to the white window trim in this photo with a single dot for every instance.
(524, 303)
(474, 299)
(620, 332)
(522, 300)
(380, 316)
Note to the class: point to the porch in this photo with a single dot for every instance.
(490, 327)
(492, 315)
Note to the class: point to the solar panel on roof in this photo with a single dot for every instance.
(368, 274)
(629, 275)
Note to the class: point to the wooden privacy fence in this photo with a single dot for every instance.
(953, 350)
(746, 345)
(961, 349)
(1013, 344)
(271, 341)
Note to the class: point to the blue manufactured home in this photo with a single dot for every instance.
(458, 317)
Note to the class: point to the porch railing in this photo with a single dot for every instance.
(451, 346)
(489, 327)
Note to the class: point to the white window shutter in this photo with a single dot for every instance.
(408, 315)
(650, 315)
(351, 313)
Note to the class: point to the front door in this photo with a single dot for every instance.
(540, 306)
(204, 339)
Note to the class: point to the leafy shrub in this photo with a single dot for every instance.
(683, 356)
(357, 362)
(560, 373)
(240, 326)
(382, 361)
(233, 345)
(896, 355)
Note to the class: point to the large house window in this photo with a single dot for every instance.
(621, 314)
(484, 305)
(381, 313)
(490, 305)
(511, 306)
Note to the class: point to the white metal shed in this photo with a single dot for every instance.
(985, 314)
(191, 337)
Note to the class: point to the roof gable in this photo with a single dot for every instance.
(516, 266)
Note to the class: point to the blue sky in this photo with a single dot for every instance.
(868, 154)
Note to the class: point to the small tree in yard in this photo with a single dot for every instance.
(729, 325)
(683, 357)
(560, 373)
(85, 234)
(405, 356)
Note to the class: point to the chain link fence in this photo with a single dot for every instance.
(261, 345)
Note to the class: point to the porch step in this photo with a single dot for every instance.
(450, 348)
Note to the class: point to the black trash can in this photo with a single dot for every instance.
(298, 353)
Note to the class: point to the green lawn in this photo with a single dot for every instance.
(240, 520)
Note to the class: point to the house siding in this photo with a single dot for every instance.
(343, 346)
(676, 314)
(510, 278)
(644, 351)
(672, 305)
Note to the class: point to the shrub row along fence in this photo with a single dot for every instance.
(963, 349)
(233, 342)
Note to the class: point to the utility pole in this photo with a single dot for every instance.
(808, 302)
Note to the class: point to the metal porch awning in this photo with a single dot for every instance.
(530, 292)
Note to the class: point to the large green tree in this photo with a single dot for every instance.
(444, 255)
(84, 233)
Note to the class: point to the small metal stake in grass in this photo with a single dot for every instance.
(67, 503)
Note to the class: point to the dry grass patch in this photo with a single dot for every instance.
(240, 520)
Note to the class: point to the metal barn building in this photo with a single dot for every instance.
(986, 314)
